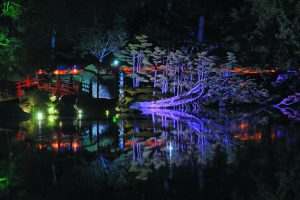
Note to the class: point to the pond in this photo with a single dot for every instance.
(161, 154)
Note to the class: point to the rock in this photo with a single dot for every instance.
(11, 110)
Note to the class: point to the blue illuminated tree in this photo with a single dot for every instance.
(100, 43)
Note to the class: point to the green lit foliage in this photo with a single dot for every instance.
(136, 54)
(11, 9)
(9, 177)
(34, 100)
(9, 45)
(52, 110)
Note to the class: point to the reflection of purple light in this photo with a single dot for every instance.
(279, 133)
(136, 129)
(121, 143)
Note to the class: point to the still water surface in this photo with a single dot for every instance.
(162, 154)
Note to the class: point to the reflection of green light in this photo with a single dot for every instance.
(52, 119)
(79, 113)
(40, 116)
(114, 119)
(52, 110)
(107, 113)
(2, 179)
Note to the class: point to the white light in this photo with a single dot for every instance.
(170, 147)
(116, 62)
(39, 116)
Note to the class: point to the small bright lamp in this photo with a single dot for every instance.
(40, 116)
(115, 62)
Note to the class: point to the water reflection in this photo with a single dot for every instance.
(65, 136)
(164, 149)
(161, 139)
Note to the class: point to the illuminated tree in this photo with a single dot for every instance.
(100, 43)
(136, 55)
(187, 78)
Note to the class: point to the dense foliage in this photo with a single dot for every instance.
(10, 45)
(182, 76)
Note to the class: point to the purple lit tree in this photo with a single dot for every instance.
(180, 77)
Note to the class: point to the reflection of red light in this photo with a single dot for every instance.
(54, 145)
(273, 136)
(74, 146)
(245, 137)
(243, 126)
(20, 136)
(64, 144)
(257, 136)
(41, 146)
(236, 136)
(40, 72)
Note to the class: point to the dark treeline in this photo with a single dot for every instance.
(262, 33)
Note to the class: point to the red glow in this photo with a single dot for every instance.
(244, 70)
(243, 126)
(75, 146)
(60, 72)
(76, 71)
(273, 136)
(40, 72)
(20, 136)
(129, 143)
(55, 145)
(245, 137)
(152, 142)
(257, 136)
(41, 146)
